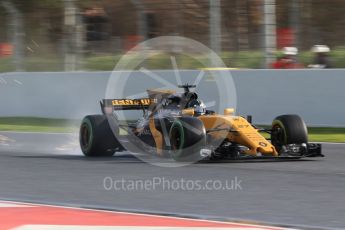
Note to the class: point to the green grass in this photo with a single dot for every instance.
(36, 124)
(48, 61)
(327, 134)
(243, 59)
(6, 65)
(101, 63)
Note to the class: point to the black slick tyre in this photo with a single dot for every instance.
(96, 137)
(288, 129)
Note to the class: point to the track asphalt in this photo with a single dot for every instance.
(49, 168)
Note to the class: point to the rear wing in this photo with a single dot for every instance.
(155, 97)
(109, 105)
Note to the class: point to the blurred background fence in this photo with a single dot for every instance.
(58, 35)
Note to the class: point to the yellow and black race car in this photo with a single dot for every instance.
(180, 126)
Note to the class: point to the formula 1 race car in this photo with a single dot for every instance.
(180, 126)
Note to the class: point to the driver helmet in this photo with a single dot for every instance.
(199, 107)
(290, 51)
(320, 49)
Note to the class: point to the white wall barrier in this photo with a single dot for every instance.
(317, 95)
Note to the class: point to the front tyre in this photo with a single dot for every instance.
(96, 137)
(288, 129)
(187, 137)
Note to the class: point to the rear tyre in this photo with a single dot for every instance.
(187, 137)
(96, 137)
(288, 129)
